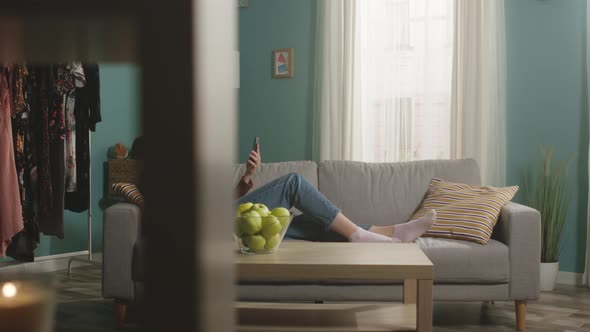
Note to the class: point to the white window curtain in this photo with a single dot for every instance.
(389, 72)
(335, 122)
(479, 80)
(383, 89)
(587, 269)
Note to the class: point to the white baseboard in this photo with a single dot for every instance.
(48, 263)
(570, 278)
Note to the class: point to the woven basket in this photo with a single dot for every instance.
(122, 170)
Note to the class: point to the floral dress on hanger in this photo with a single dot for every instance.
(52, 223)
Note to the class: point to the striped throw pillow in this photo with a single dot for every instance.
(464, 212)
(129, 192)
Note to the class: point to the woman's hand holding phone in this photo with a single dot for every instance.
(254, 160)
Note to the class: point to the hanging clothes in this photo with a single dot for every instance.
(20, 117)
(77, 71)
(46, 113)
(52, 221)
(11, 221)
(41, 85)
(24, 243)
(87, 113)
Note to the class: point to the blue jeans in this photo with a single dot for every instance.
(294, 190)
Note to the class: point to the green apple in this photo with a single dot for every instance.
(270, 227)
(254, 242)
(261, 209)
(282, 214)
(244, 207)
(272, 242)
(250, 223)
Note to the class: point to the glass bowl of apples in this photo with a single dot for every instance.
(260, 230)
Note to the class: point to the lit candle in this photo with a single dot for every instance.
(25, 307)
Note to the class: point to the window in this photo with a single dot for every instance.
(403, 72)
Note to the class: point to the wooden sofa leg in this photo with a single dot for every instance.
(520, 307)
(121, 313)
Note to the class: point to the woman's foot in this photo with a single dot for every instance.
(410, 231)
(362, 235)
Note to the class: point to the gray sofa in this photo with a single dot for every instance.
(507, 268)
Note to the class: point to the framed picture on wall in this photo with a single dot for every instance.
(283, 61)
(243, 3)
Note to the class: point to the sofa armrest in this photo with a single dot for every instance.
(121, 227)
(519, 227)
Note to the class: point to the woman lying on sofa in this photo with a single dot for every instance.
(321, 220)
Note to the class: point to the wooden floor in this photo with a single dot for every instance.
(567, 309)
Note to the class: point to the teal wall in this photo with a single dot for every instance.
(119, 88)
(546, 102)
(277, 110)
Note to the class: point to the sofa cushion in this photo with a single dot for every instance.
(387, 193)
(454, 262)
(464, 212)
(129, 192)
(457, 261)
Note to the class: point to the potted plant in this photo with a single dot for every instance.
(548, 194)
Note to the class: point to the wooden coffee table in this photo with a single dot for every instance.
(325, 262)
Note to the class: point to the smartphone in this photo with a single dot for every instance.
(256, 141)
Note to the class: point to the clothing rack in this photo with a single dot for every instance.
(46, 90)
(89, 259)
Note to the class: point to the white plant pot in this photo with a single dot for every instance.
(549, 275)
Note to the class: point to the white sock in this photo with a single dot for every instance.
(410, 231)
(362, 235)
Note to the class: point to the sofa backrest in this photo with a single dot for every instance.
(387, 193)
(371, 193)
(270, 171)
